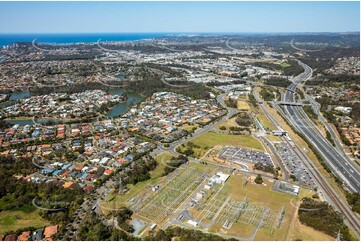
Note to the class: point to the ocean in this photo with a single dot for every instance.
(8, 39)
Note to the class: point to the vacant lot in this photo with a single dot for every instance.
(241, 105)
(23, 217)
(228, 123)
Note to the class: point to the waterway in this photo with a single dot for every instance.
(117, 110)
(19, 95)
(120, 108)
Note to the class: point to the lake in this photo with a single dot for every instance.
(120, 108)
(117, 110)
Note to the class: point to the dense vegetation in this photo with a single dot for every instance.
(310, 112)
(265, 168)
(16, 193)
(322, 217)
(230, 102)
(181, 234)
(292, 69)
(329, 80)
(139, 171)
(258, 179)
(278, 81)
(267, 93)
(93, 229)
(244, 119)
(354, 200)
(325, 59)
(123, 216)
(174, 163)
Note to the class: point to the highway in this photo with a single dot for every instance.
(323, 186)
(341, 167)
(316, 107)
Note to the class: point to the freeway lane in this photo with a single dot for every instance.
(316, 106)
(338, 164)
(322, 185)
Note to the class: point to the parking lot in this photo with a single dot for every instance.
(294, 164)
(237, 154)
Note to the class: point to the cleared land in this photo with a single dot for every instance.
(229, 123)
(20, 218)
(211, 139)
(242, 105)
(235, 210)
(244, 205)
(116, 200)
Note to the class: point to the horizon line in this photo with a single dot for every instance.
(192, 32)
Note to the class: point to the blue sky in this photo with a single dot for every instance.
(102, 17)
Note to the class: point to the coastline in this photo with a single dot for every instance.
(73, 38)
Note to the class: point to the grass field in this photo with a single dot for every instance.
(229, 123)
(273, 138)
(265, 122)
(162, 159)
(23, 217)
(284, 64)
(188, 127)
(242, 105)
(211, 139)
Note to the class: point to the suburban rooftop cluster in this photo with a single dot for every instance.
(62, 105)
(161, 116)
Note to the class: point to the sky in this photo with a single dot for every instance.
(117, 17)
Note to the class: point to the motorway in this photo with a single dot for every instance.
(316, 107)
(323, 187)
(341, 167)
